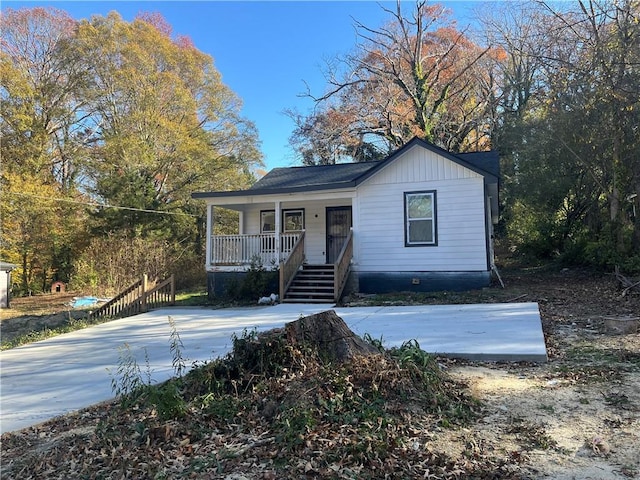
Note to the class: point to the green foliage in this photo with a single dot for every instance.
(570, 171)
(118, 113)
(176, 347)
(129, 385)
(258, 281)
(113, 262)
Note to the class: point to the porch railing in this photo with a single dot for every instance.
(242, 249)
(342, 266)
(138, 298)
(290, 266)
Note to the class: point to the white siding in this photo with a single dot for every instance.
(4, 288)
(460, 217)
(314, 220)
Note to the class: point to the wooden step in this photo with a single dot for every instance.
(312, 284)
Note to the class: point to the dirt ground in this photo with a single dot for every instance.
(35, 313)
(575, 417)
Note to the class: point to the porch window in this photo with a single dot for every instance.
(267, 221)
(293, 220)
(420, 219)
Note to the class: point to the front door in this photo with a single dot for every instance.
(338, 227)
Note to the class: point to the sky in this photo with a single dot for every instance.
(266, 51)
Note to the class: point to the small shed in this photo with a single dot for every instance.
(58, 287)
(5, 283)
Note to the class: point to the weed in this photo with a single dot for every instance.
(293, 424)
(222, 408)
(127, 383)
(176, 347)
(378, 343)
(547, 408)
(258, 281)
(532, 435)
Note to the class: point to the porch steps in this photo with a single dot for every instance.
(312, 284)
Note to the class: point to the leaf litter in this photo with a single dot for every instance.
(377, 417)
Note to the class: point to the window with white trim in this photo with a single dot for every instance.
(267, 221)
(292, 221)
(420, 219)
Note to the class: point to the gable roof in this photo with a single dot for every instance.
(325, 177)
(487, 161)
(314, 176)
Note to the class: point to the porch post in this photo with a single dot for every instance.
(209, 239)
(278, 228)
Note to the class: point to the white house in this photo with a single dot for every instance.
(5, 283)
(420, 220)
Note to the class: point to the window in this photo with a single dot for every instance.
(267, 221)
(420, 218)
(292, 220)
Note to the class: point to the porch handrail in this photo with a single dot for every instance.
(342, 266)
(162, 295)
(138, 298)
(290, 266)
(242, 249)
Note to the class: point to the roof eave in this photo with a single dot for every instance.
(275, 191)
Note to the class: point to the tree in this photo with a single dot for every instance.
(41, 111)
(163, 122)
(569, 116)
(416, 75)
(114, 113)
(41, 149)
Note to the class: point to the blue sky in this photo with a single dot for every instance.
(265, 50)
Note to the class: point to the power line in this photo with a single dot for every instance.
(100, 205)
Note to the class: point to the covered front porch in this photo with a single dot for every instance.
(308, 241)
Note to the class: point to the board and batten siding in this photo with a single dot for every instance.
(461, 229)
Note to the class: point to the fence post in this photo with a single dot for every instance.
(143, 296)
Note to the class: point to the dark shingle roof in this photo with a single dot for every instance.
(343, 174)
(324, 177)
(487, 161)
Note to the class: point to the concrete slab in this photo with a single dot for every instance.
(72, 371)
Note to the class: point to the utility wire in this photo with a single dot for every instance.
(101, 205)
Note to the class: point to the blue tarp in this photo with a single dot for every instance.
(84, 301)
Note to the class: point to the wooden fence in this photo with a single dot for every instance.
(139, 297)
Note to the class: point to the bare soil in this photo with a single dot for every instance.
(36, 313)
(575, 417)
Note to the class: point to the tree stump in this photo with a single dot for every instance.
(327, 332)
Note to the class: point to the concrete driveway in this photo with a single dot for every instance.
(69, 372)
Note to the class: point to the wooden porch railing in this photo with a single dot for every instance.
(138, 298)
(242, 249)
(290, 266)
(342, 266)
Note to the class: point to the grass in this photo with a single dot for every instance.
(69, 325)
(486, 295)
(46, 306)
(194, 299)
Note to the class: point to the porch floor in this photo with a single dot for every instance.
(71, 371)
